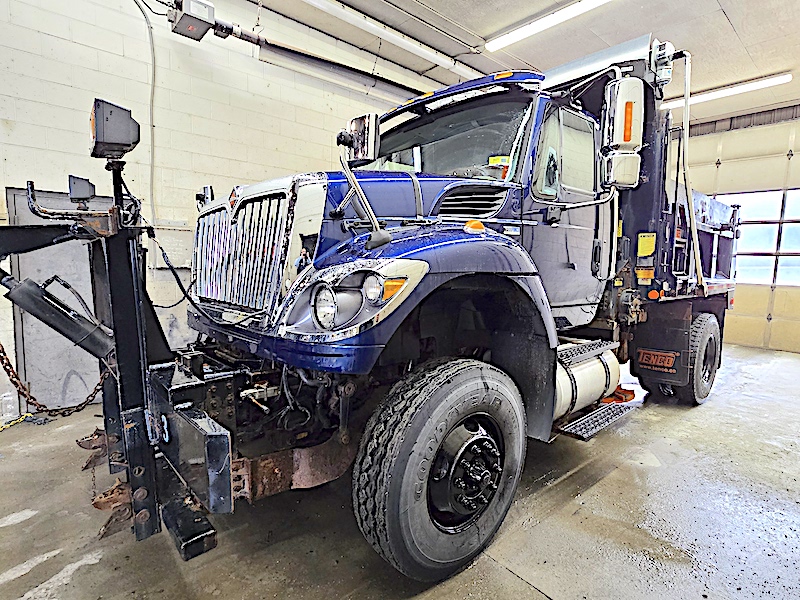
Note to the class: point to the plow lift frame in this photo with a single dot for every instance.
(126, 323)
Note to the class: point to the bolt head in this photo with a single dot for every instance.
(143, 516)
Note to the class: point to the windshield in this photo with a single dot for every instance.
(479, 138)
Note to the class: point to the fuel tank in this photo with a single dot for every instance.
(579, 385)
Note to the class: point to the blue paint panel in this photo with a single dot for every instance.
(450, 252)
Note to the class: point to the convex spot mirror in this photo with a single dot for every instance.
(361, 138)
(623, 132)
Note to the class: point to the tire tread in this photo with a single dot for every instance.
(699, 326)
(381, 442)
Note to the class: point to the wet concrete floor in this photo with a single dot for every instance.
(669, 503)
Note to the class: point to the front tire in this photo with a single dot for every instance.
(438, 466)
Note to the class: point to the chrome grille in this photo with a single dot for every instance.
(472, 204)
(240, 261)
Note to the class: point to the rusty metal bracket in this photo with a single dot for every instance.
(119, 493)
(292, 469)
(119, 520)
(118, 499)
(98, 442)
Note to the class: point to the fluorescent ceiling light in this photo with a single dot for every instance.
(750, 86)
(378, 29)
(539, 25)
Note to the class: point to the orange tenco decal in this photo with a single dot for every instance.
(657, 360)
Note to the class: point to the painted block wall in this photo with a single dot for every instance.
(221, 116)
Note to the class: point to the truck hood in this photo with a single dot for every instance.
(391, 195)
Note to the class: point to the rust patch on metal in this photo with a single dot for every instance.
(119, 493)
(270, 474)
(298, 468)
(321, 464)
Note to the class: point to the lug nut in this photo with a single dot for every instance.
(459, 483)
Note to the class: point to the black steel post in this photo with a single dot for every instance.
(125, 291)
(112, 415)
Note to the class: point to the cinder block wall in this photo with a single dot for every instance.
(221, 116)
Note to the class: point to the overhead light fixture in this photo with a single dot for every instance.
(741, 88)
(539, 25)
(378, 29)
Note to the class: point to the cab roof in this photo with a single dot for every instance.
(472, 84)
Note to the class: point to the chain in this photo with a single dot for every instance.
(94, 485)
(19, 419)
(31, 401)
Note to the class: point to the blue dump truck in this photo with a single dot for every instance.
(486, 258)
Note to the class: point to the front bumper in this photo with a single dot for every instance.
(355, 359)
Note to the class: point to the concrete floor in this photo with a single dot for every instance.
(671, 502)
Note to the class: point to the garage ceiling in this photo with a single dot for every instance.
(730, 40)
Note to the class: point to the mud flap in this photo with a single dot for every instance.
(661, 344)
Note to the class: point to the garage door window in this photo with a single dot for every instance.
(768, 250)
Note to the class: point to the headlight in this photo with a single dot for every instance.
(325, 306)
(345, 299)
(373, 289)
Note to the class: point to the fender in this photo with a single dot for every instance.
(450, 252)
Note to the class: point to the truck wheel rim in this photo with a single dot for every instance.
(466, 473)
(709, 360)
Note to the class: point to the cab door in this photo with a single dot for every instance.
(568, 228)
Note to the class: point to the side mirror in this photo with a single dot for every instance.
(114, 130)
(361, 138)
(80, 189)
(204, 197)
(623, 132)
